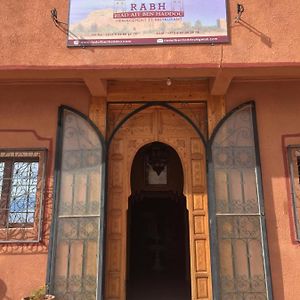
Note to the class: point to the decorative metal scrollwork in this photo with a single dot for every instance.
(77, 239)
(78, 229)
(82, 288)
(234, 157)
(241, 268)
(78, 159)
(21, 195)
(238, 227)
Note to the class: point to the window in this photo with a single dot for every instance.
(21, 185)
(294, 164)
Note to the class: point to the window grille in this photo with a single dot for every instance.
(239, 248)
(242, 269)
(21, 194)
(294, 166)
(77, 253)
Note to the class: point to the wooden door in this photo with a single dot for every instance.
(157, 124)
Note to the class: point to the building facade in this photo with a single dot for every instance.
(131, 170)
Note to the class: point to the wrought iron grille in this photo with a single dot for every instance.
(77, 252)
(21, 195)
(241, 269)
(240, 259)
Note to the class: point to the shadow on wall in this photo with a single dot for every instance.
(263, 37)
(3, 290)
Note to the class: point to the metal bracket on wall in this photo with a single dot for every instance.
(239, 9)
(62, 25)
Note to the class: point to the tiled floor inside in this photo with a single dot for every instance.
(158, 289)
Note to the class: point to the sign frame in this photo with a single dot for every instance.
(75, 39)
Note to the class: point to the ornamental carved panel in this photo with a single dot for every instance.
(156, 124)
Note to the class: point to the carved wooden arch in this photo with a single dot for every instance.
(157, 123)
(170, 107)
(166, 105)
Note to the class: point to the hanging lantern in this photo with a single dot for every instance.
(158, 157)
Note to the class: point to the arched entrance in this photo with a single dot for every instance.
(164, 125)
(237, 225)
(158, 265)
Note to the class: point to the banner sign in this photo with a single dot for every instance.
(144, 22)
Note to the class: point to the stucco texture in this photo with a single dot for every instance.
(278, 110)
(28, 120)
(34, 107)
(268, 33)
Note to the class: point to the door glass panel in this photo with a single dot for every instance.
(238, 219)
(79, 203)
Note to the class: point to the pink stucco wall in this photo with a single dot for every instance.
(25, 108)
(29, 37)
(29, 119)
(269, 36)
(278, 111)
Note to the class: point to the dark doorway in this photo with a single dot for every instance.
(158, 241)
